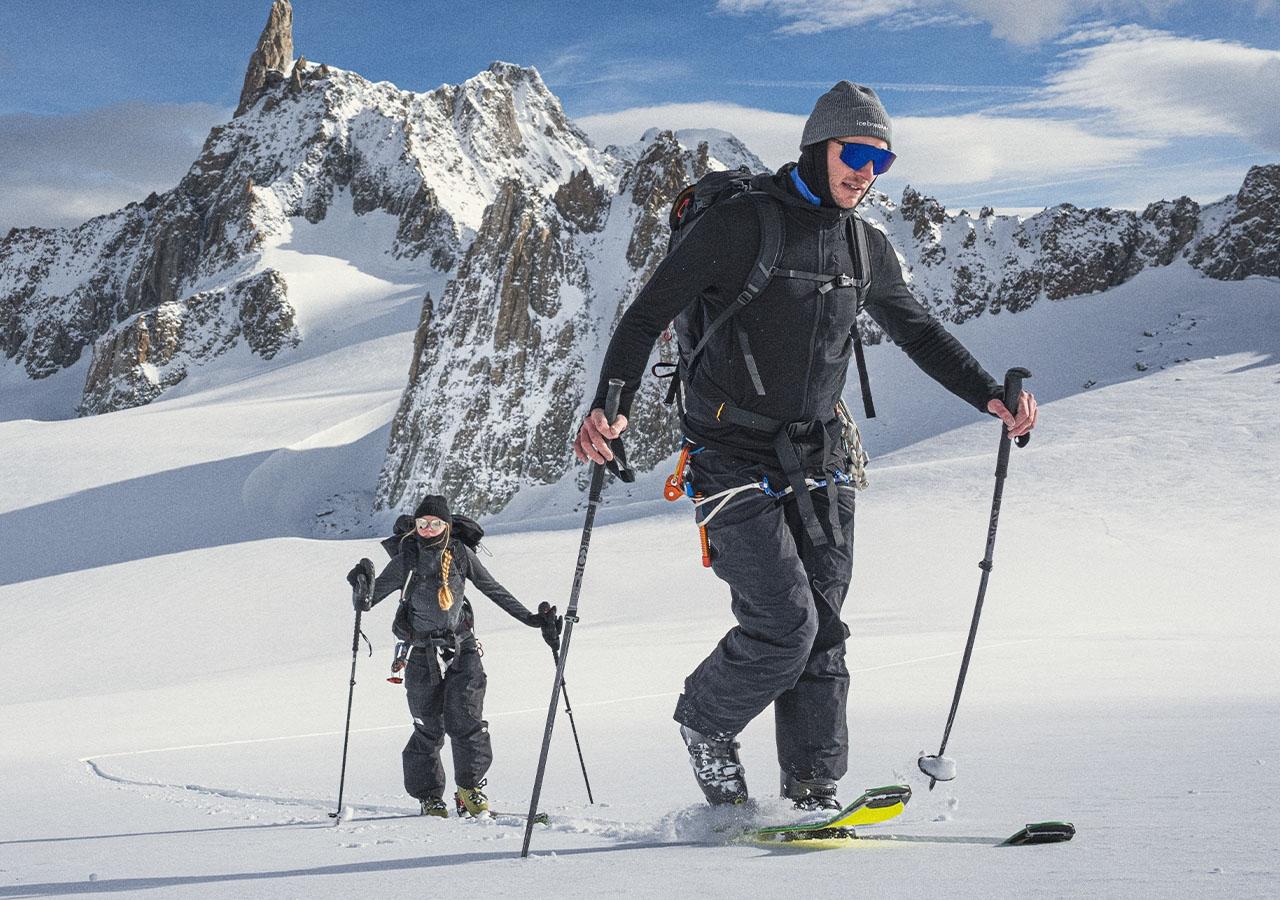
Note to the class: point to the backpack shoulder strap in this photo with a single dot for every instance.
(862, 262)
(772, 235)
(861, 255)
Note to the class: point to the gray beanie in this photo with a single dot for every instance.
(847, 109)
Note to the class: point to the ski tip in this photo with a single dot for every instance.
(886, 796)
(1041, 833)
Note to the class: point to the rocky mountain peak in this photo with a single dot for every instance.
(535, 243)
(272, 56)
(1260, 192)
(924, 213)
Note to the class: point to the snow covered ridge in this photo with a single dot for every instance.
(963, 265)
(435, 161)
(533, 242)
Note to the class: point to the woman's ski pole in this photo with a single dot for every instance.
(937, 766)
(612, 399)
(359, 591)
(574, 725)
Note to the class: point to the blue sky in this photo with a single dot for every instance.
(1011, 103)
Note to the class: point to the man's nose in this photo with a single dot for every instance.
(867, 172)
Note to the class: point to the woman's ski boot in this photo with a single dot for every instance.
(434, 806)
(471, 801)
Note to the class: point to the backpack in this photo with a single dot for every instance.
(465, 529)
(687, 210)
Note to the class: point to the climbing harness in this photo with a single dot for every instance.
(679, 484)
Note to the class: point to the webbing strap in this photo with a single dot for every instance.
(734, 415)
(863, 264)
(752, 369)
(804, 276)
(790, 460)
(863, 382)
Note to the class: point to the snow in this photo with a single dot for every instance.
(177, 631)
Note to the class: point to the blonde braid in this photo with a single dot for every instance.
(445, 596)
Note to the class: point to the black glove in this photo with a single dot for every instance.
(551, 624)
(361, 579)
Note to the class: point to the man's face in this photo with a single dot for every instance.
(848, 186)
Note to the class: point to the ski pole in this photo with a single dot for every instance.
(358, 592)
(612, 399)
(938, 767)
(564, 688)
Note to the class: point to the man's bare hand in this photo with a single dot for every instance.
(594, 437)
(1024, 421)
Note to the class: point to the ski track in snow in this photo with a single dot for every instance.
(93, 759)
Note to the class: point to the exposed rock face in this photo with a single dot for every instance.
(582, 202)
(274, 54)
(499, 344)
(960, 266)
(499, 376)
(1246, 240)
(134, 363)
(1172, 226)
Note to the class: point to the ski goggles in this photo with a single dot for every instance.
(855, 156)
(429, 523)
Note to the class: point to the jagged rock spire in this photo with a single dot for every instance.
(274, 53)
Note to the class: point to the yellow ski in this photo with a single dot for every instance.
(874, 806)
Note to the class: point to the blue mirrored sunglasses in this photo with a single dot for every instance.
(855, 156)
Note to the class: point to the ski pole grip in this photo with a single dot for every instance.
(613, 399)
(1013, 394)
(1013, 387)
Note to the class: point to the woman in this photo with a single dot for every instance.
(444, 679)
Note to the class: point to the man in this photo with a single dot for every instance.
(760, 407)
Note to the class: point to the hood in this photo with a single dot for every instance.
(779, 185)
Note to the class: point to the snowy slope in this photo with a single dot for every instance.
(174, 661)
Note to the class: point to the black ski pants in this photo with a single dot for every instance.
(445, 701)
(788, 647)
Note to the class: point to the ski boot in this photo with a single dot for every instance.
(471, 801)
(716, 766)
(434, 806)
(814, 794)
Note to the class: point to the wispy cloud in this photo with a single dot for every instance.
(1023, 22)
(772, 136)
(57, 171)
(1140, 81)
(981, 147)
(580, 66)
(592, 77)
(814, 16)
(939, 150)
(907, 86)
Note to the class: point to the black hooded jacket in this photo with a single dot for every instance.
(799, 340)
(416, 569)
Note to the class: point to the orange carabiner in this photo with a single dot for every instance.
(674, 488)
